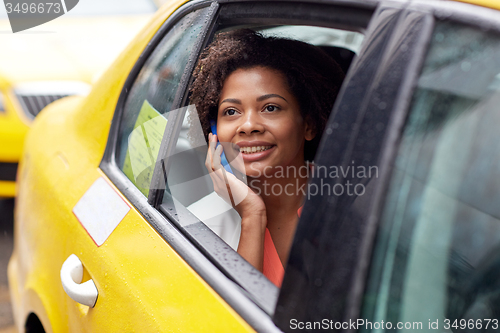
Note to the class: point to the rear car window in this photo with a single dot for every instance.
(437, 254)
(188, 183)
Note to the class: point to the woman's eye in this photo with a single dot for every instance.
(230, 112)
(271, 108)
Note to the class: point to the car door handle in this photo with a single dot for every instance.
(71, 277)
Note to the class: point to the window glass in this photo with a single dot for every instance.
(151, 99)
(350, 40)
(189, 183)
(437, 255)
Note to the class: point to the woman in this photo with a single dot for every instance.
(270, 98)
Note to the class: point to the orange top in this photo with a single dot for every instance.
(272, 267)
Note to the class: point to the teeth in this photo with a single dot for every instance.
(255, 149)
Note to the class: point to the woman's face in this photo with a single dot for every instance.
(258, 113)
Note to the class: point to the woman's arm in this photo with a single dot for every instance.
(247, 203)
(251, 246)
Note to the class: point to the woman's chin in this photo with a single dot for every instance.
(258, 170)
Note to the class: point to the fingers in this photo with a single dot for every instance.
(212, 143)
(213, 161)
(215, 169)
(216, 159)
(208, 159)
(225, 184)
(221, 173)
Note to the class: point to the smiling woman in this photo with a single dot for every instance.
(271, 98)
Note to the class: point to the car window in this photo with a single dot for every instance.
(151, 98)
(437, 254)
(350, 40)
(188, 182)
(153, 135)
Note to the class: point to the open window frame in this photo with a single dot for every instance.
(251, 295)
(368, 270)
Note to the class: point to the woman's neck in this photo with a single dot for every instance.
(283, 193)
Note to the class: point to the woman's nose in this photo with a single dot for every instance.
(251, 123)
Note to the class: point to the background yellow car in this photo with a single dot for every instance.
(57, 59)
(116, 222)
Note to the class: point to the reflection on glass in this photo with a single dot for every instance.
(151, 98)
(190, 185)
(437, 254)
(143, 146)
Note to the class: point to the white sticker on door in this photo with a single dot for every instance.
(100, 210)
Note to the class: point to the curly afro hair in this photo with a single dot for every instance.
(313, 77)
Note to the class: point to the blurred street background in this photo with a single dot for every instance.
(6, 221)
(59, 58)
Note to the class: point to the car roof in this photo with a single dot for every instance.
(494, 4)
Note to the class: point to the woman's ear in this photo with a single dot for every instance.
(310, 131)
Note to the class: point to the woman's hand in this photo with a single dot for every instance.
(227, 186)
(247, 203)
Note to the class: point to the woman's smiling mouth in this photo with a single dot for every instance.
(254, 149)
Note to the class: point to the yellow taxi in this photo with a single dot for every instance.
(118, 227)
(60, 58)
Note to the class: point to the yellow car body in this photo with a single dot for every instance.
(163, 306)
(161, 294)
(485, 3)
(74, 50)
(13, 129)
